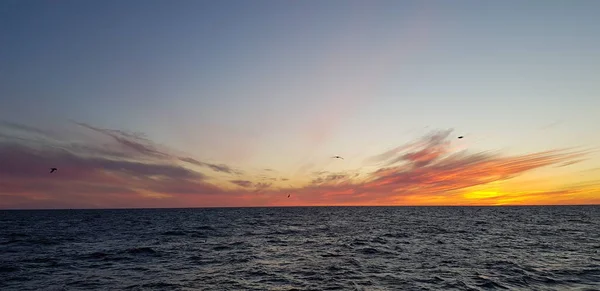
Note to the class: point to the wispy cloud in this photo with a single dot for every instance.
(570, 163)
(258, 186)
(222, 168)
(262, 185)
(428, 167)
(22, 128)
(130, 170)
(551, 125)
(242, 183)
(20, 161)
(215, 167)
(127, 164)
(132, 141)
(139, 144)
(329, 178)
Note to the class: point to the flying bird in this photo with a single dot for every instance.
(52, 170)
(337, 157)
(460, 136)
(289, 195)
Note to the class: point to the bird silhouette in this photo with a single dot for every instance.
(460, 136)
(289, 195)
(337, 157)
(52, 170)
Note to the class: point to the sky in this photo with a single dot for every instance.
(242, 103)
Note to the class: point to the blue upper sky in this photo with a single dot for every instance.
(278, 83)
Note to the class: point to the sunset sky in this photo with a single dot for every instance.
(145, 103)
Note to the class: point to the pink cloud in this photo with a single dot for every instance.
(133, 172)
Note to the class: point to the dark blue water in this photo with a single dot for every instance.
(319, 248)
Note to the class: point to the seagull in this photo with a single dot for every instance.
(337, 157)
(460, 136)
(52, 170)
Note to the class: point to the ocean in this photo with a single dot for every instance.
(302, 248)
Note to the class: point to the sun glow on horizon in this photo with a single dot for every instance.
(481, 195)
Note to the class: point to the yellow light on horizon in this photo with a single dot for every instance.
(481, 194)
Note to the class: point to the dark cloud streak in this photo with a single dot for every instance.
(217, 168)
(242, 183)
(133, 142)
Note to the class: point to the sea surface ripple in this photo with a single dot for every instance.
(302, 248)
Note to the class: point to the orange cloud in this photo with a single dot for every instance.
(128, 170)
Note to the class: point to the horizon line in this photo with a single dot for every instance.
(299, 206)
